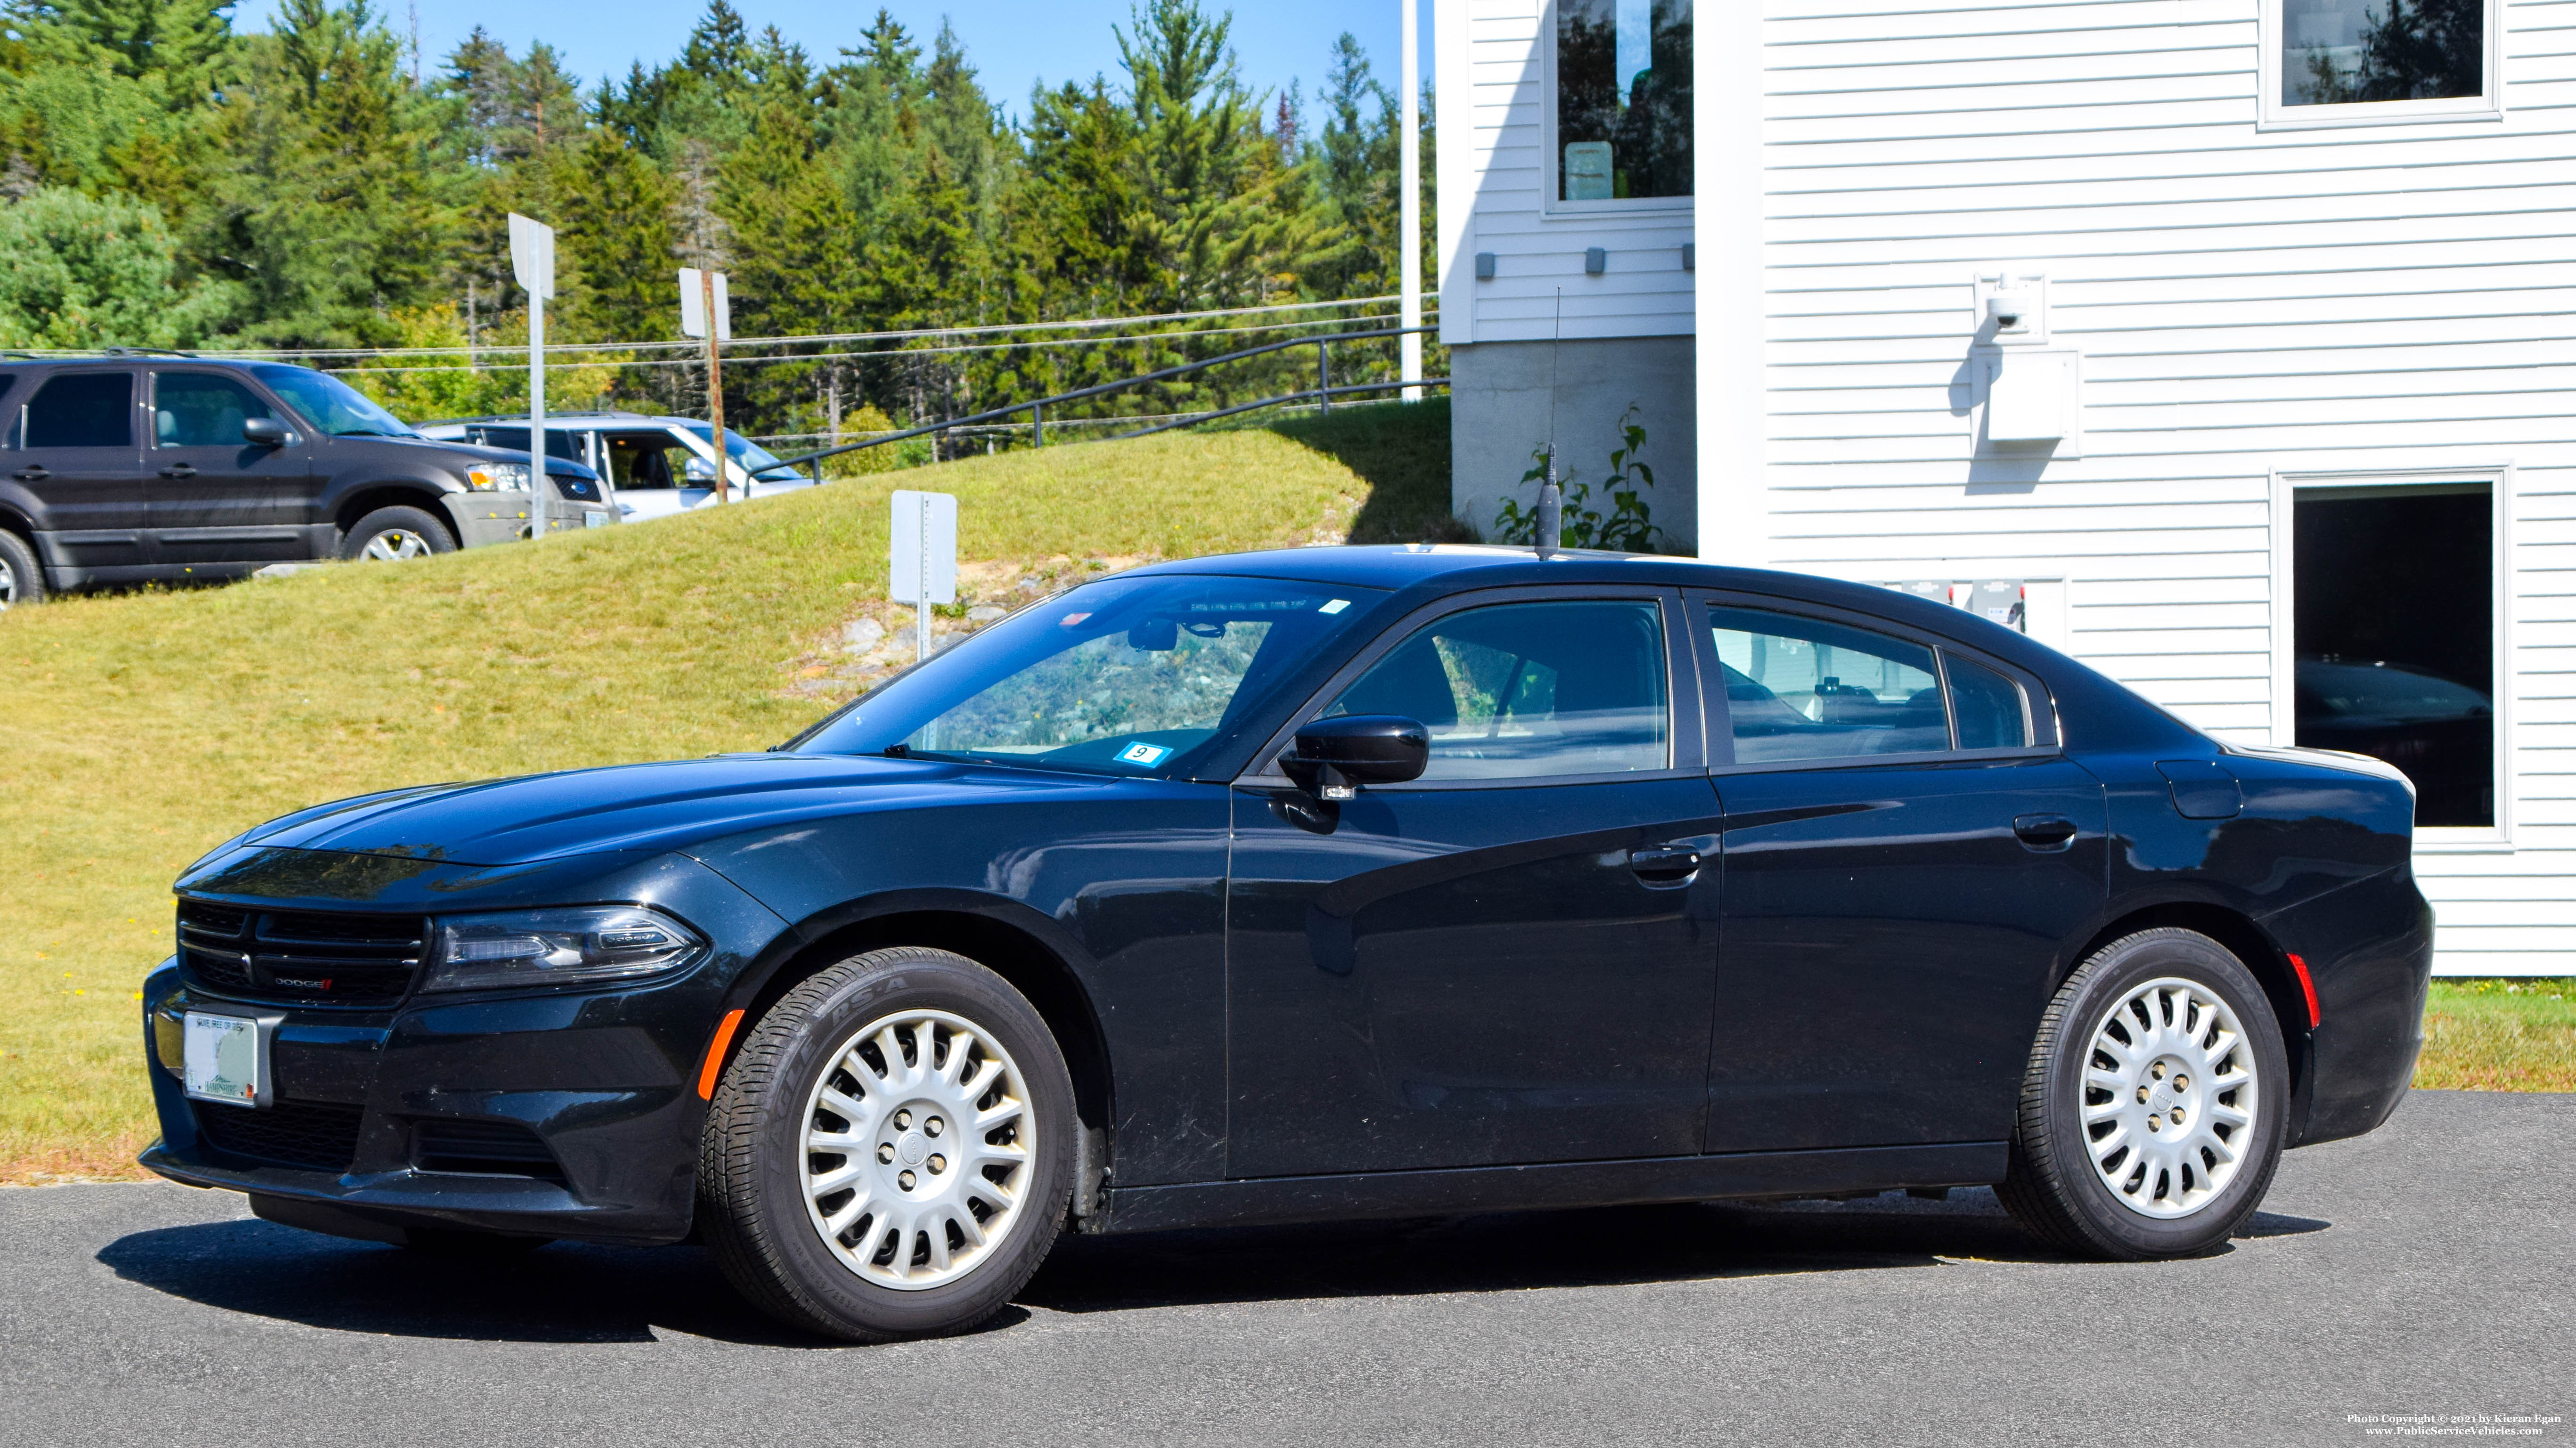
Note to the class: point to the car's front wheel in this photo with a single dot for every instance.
(2155, 1104)
(392, 534)
(889, 1154)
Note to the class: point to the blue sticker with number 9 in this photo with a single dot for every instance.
(1145, 754)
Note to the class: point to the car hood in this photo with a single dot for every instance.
(668, 806)
(455, 447)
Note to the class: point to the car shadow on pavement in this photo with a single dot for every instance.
(573, 1292)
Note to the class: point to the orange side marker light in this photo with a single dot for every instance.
(724, 1037)
(2315, 1017)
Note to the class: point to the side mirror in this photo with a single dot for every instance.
(1332, 758)
(700, 470)
(265, 432)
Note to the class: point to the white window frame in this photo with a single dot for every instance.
(2273, 115)
(2499, 480)
(1551, 163)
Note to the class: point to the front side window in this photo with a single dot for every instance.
(82, 409)
(645, 459)
(1623, 99)
(1530, 689)
(751, 457)
(199, 409)
(1124, 676)
(2428, 56)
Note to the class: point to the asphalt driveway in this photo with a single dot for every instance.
(2427, 1271)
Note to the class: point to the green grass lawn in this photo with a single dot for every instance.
(144, 728)
(2500, 1035)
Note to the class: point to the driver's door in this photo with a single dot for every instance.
(1510, 960)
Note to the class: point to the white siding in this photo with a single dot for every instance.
(1491, 78)
(2248, 303)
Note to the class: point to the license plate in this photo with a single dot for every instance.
(594, 520)
(225, 1059)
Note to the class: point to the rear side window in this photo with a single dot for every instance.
(1988, 706)
(1802, 688)
(82, 409)
(1530, 689)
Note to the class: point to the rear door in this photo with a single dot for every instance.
(1907, 855)
(215, 497)
(78, 451)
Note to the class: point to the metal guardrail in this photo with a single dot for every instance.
(1323, 393)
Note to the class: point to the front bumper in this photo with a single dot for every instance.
(391, 1116)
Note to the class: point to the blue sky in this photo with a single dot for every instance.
(1012, 42)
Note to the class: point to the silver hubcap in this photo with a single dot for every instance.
(396, 543)
(917, 1147)
(2169, 1098)
(8, 584)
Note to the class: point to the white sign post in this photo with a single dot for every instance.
(532, 260)
(922, 559)
(702, 295)
(1409, 206)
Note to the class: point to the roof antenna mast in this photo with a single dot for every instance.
(1551, 498)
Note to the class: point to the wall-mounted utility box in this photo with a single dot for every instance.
(2033, 398)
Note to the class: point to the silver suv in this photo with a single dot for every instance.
(654, 466)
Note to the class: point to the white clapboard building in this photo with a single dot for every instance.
(2232, 341)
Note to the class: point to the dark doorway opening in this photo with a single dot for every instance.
(2393, 614)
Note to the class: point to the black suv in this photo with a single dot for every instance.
(126, 468)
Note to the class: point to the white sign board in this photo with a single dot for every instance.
(693, 306)
(532, 254)
(923, 556)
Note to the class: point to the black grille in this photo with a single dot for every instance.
(491, 1148)
(301, 957)
(310, 1134)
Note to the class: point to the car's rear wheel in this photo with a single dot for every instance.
(889, 1154)
(393, 534)
(2155, 1104)
(21, 580)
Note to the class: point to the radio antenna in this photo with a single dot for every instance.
(1551, 498)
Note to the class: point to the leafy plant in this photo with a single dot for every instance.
(1628, 526)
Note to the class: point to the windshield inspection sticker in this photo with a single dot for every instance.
(1336, 606)
(1145, 754)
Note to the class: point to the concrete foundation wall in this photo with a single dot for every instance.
(1499, 396)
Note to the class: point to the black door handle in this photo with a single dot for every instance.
(1664, 864)
(2045, 833)
(31, 474)
(178, 470)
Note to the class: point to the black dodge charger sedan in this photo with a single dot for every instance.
(1356, 882)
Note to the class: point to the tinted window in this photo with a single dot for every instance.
(1527, 689)
(1799, 688)
(558, 444)
(2340, 52)
(199, 409)
(1987, 705)
(83, 409)
(1623, 99)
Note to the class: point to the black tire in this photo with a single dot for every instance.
(752, 1191)
(405, 530)
(22, 579)
(2052, 1185)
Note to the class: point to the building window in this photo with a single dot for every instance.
(1622, 78)
(2362, 61)
(2394, 635)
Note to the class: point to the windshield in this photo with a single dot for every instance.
(747, 455)
(1124, 676)
(329, 404)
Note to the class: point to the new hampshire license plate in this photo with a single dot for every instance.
(222, 1059)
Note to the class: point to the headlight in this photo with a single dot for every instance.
(496, 477)
(578, 946)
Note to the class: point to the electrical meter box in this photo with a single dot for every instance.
(2001, 600)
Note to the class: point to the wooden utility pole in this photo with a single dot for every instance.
(715, 380)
